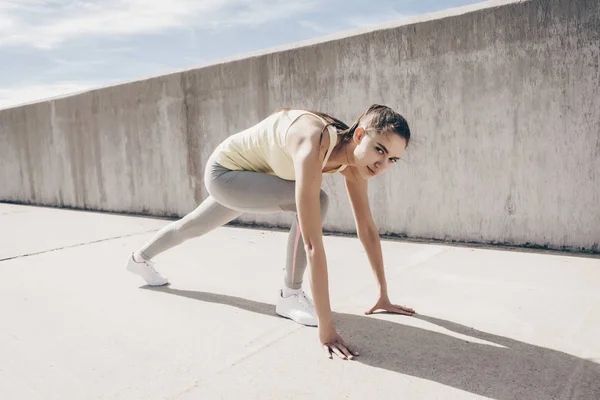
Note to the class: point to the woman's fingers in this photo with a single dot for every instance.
(394, 308)
(337, 351)
(401, 311)
(327, 351)
(352, 352)
(346, 351)
(342, 351)
(375, 307)
(406, 309)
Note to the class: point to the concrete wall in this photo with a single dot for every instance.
(503, 100)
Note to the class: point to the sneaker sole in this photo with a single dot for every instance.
(290, 317)
(130, 269)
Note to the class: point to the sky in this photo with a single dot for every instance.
(55, 47)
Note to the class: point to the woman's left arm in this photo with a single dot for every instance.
(368, 234)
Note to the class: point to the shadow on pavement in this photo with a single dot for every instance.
(516, 370)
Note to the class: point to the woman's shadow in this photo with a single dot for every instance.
(516, 370)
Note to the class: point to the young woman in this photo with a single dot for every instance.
(276, 166)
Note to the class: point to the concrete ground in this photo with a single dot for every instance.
(491, 323)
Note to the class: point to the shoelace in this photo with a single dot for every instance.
(151, 265)
(305, 300)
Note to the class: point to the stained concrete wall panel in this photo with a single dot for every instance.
(502, 98)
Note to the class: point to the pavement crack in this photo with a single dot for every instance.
(75, 245)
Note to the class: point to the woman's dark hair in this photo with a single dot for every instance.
(378, 117)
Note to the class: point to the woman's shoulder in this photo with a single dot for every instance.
(295, 114)
(305, 123)
(309, 128)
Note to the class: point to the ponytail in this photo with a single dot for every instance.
(380, 118)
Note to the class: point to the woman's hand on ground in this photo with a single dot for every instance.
(385, 304)
(333, 343)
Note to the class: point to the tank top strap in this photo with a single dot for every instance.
(332, 142)
(333, 136)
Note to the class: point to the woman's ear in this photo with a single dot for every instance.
(359, 134)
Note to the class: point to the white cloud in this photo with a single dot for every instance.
(33, 92)
(354, 21)
(45, 24)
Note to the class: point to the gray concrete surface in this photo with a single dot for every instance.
(503, 99)
(491, 323)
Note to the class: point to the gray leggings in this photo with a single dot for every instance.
(231, 194)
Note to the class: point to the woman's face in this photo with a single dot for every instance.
(376, 152)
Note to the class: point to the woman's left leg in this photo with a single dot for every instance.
(256, 192)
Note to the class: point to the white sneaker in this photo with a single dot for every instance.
(297, 307)
(146, 270)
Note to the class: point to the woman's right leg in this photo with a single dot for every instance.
(231, 194)
(207, 216)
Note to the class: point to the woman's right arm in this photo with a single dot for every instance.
(304, 143)
(308, 148)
